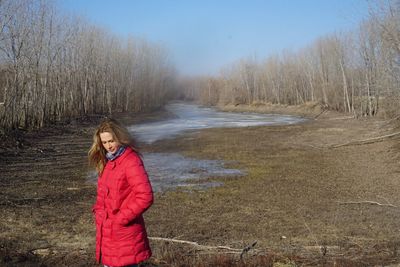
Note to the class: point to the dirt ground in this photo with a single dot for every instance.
(303, 199)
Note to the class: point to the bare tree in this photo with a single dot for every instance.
(56, 68)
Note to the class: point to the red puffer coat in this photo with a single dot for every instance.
(123, 194)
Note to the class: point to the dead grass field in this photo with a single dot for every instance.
(303, 201)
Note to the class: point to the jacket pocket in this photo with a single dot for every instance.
(121, 233)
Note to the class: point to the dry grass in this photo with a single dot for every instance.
(291, 189)
(288, 200)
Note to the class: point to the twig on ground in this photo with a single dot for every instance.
(323, 111)
(384, 198)
(40, 250)
(368, 202)
(210, 252)
(247, 249)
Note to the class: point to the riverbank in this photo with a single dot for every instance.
(301, 199)
(307, 110)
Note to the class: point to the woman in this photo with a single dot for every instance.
(124, 193)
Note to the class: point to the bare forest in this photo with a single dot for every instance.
(354, 72)
(321, 192)
(55, 67)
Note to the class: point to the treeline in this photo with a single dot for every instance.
(54, 67)
(356, 72)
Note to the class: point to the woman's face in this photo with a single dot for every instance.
(109, 143)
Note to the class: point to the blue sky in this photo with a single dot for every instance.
(205, 35)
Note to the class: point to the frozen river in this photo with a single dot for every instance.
(191, 117)
(171, 170)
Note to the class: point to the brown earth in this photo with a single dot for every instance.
(303, 201)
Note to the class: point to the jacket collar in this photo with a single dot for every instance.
(112, 163)
(127, 151)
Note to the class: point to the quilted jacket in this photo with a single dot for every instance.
(124, 193)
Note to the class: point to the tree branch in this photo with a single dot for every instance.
(365, 141)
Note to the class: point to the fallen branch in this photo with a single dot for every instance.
(43, 251)
(368, 202)
(210, 252)
(366, 141)
(323, 111)
(204, 247)
(195, 244)
(247, 249)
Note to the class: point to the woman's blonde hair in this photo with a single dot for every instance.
(97, 153)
